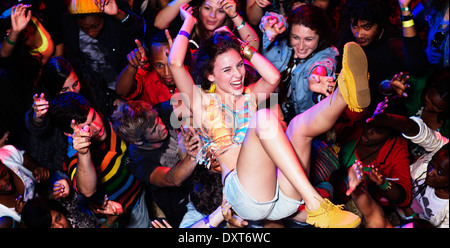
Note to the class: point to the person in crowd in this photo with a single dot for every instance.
(304, 55)
(27, 44)
(47, 213)
(19, 175)
(207, 208)
(432, 14)
(212, 15)
(381, 155)
(367, 23)
(430, 176)
(265, 148)
(99, 166)
(148, 79)
(137, 123)
(48, 145)
(98, 35)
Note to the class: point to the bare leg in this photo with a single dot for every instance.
(317, 120)
(265, 149)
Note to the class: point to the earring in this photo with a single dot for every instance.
(212, 88)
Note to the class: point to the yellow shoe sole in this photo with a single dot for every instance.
(353, 81)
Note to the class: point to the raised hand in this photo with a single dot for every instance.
(108, 7)
(399, 85)
(186, 12)
(81, 138)
(272, 27)
(379, 110)
(137, 57)
(263, 3)
(20, 16)
(40, 107)
(111, 208)
(229, 7)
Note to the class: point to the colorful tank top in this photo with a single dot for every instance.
(223, 128)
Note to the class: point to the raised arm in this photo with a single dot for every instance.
(20, 16)
(400, 123)
(255, 10)
(126, 81)
(183, 80)
(245, 31)
(270, 76)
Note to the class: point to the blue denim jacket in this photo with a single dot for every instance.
(279, 55)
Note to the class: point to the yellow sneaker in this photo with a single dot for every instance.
(329, 215)
(353, 81)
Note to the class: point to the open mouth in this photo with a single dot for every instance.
(236, 85)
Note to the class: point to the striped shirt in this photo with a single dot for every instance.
(114, 179)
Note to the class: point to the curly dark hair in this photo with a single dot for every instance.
(68, 106)
(207, 193)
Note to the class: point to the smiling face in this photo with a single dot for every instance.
(304, 41)
(212, 15)
(228, 73)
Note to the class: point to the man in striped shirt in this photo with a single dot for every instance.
(98, 169)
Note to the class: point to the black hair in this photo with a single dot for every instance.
(54, 73)
(207, 193)
(36, 212)
(66, 107)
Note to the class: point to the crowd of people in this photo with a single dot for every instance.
(224, 114)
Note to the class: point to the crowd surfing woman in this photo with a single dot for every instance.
(246, 141)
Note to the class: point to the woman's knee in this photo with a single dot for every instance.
(266, 123)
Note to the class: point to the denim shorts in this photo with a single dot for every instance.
(249, 208)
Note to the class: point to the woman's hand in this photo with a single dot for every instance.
(20, 17)
(229, 7)
(272, 27)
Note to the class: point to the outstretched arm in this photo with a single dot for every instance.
(183, 80)
(398, 122)
(168, 14)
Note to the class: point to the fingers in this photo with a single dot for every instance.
(157, 224)
(169, 38)
(140, 49)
